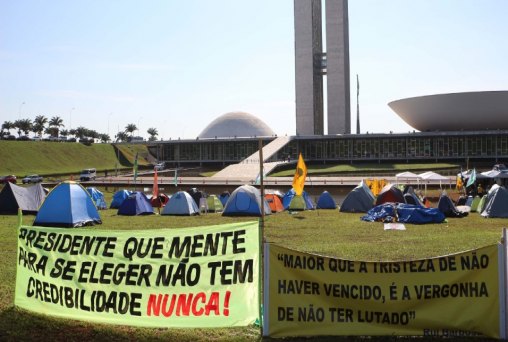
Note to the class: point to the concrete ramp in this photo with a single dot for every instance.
(248, 169)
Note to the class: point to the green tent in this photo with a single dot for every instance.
(297, 203)
(475, 204)
(214, 204)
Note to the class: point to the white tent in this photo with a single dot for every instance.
(407, 177)
(432, 176)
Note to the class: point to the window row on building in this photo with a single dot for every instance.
(365, 147)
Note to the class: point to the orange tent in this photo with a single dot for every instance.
(274, 203)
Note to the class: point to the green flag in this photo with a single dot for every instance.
(135, 167)
(472, 178)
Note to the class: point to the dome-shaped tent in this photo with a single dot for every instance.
(245, 201)
(68, 205)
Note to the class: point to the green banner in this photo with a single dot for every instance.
(190, 277)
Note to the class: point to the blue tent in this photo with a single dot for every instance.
(98, 198)
(446, 206)
(404, 213)
(360, 199)
(67, 205)
(136, 204)
(224, 197)
(181, 203)
(326, 201)
(245, 201)
(119, 197)
(290, 195)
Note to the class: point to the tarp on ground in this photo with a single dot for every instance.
(446, 206)
(390, 194)
(497, 203)
(403, 213)
(118, 198)
(326, 201)
(359, 200)
(181, 204)
(274, 202)
(14, 197)
(97, 197)
(67, 205)
(136, 204)
(214, 204)
(291, 201)
(245, 201)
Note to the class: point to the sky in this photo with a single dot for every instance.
(177, 65)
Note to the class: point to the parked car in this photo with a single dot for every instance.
(9, 178)
(36, 138)
(23, 138)
(88, 175)
(31, 179)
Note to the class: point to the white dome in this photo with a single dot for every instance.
(236, 124)
(471, 111)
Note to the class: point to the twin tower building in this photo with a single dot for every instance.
(313, 62)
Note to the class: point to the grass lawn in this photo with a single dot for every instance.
(326, 232)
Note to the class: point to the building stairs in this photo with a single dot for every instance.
(248, 168)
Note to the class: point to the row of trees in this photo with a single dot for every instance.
(53, 127)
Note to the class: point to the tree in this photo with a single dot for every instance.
(153, 134)
(121, 137)
(104, 138)
(56, 122)
(23, 126)
(80, 132)
(8, 125)
(131, 128)
(64, 133)
(39, 123)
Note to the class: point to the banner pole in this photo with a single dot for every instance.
(20, 217)
(503, 280)
(261, 236)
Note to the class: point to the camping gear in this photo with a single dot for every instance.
(214, 204)
(14, 197)
(245, 201)
(98, 198)
(359, 200)
(136, 204)
(118, 198)
(404, 213)
(390, 193)
(446, 206)
(67, 205)
(496, 204)
(196, 195)
(326, 201)
(160, 201)
(181, 203)
(474, 204)
(274, 202)
(291, 201)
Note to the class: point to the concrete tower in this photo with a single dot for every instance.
(311, 64)
(308, 78)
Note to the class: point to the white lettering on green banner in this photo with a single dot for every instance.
(190, 277)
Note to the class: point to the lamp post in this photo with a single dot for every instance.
(70, 117)
(19, 111)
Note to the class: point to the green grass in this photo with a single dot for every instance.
(324, 232)
(50, 158)
(322, 170)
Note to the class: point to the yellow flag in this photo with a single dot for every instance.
(300, 175)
